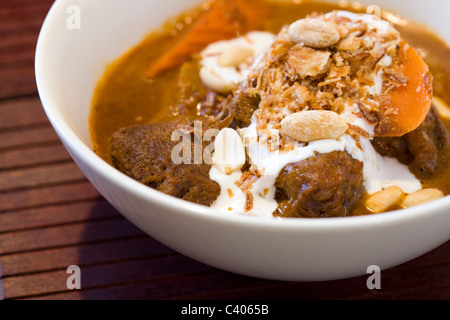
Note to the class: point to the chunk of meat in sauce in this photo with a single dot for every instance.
(325, 185)
(419, 149)
(144, 153)
(242, 108)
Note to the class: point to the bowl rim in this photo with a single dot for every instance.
(73, 142)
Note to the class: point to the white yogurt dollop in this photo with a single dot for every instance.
(226, 78)
(379, 172)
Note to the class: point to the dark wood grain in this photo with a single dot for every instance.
(20, 22)
(51, 217)
(27, 137)
(21, 112)
(35, 177)
(110, 274)
(59, 214)
(103, 252)
(37, 197)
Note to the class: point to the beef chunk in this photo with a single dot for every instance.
(325, 185)
(420, 148)
(144, 153)
(243, 106)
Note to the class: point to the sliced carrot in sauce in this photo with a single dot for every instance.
(408, 105)
(222, 20)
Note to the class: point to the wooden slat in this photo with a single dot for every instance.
(13, 23)
(40, 176)
(102, 275)
(20, 24)
(47, 196)
(82, 255)
(438, 256)
(163, 288)
(18, 47)
(408, 279)
(48, 216)
(14, 13)
(18, 82)
(406, 284)
(22, 112)
(67, 235)
(19, 59)
(427, 293)
(19, 41)
(23, 4)
(226, 286)
(220, 285)
(33, 156)
(28, 137)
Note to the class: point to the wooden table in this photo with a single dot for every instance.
(51, 217)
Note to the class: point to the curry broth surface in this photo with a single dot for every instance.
(125, 97)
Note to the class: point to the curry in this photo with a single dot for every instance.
(158, 87)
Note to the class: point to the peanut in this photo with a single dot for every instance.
(307, 126)
(229, 152)
(234, 56)
(421, 197)
(442, 107)
(385, 199)
(314, 33)
(214, 81)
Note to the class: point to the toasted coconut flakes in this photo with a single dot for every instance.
(301, 94)
(248, 201)
(292, 78)
(309, 62)
(360, 132)
(395, 78)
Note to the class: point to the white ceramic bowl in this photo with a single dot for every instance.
(69, 62)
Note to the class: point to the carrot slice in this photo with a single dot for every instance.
(223, 19)
(408, 105)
